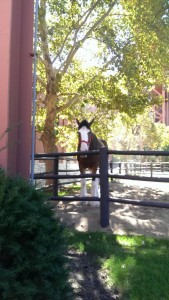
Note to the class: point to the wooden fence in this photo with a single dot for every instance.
(104, 176)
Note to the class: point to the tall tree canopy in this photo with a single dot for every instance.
(126, 43)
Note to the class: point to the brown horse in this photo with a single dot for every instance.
(88, 142)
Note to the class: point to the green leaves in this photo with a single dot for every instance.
(32, 245)
(129, 55)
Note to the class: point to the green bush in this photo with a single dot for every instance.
(32, 261)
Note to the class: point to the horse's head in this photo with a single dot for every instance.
(85, 135)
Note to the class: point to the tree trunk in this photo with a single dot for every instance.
(48, 137)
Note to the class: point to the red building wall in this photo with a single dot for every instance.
(16, 34)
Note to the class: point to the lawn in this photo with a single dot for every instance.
(137, 266)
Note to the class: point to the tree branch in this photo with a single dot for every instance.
(41, 81)
(43, 34)
(75, 48)
(78, 26)
(68, 104)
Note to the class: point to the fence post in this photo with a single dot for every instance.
(104, 188)
(55, 172)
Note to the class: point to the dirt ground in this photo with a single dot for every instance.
(124, 218)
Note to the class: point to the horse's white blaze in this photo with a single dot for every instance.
(84, 146)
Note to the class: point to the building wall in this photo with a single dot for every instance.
(16, 32)
(5, 32)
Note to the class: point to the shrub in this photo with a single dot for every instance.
(32, 261)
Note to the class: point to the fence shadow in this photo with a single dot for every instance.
(124, 218)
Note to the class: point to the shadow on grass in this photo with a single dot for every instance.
(137, 266)
(85, 259)
(141, 269)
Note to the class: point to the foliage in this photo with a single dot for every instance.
(123, 133)
(129, 55)
(32, 262)
(137, 265)
(140, 133)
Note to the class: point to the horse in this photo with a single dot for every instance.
(88, 141)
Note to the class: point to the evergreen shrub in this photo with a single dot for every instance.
(32, 245)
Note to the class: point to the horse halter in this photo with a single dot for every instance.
(85, 135)
(83, 141)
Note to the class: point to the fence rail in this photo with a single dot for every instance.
(104, 176)
(139, 167)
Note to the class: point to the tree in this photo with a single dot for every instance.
(140, 133)
(131, 38)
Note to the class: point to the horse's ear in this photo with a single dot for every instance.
(77, 121)
(91, 122)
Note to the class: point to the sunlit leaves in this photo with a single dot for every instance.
(140, 133)
(131, 42)
(147, 21)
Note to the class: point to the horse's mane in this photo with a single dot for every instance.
(97, 143)
(94, 144)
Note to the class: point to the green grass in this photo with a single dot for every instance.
(65, 190)
(138, 266)
(69, 190)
